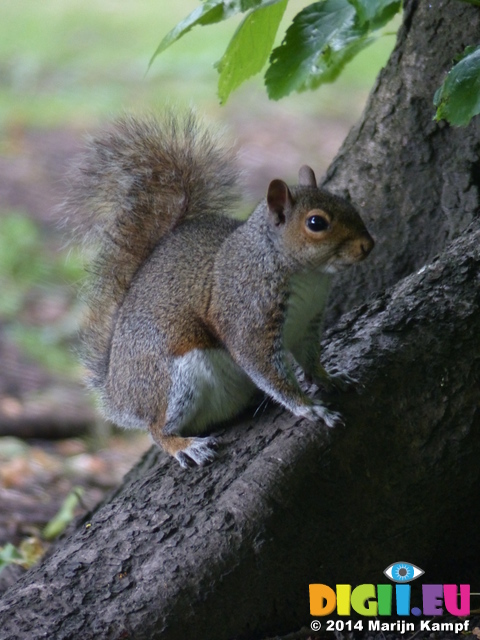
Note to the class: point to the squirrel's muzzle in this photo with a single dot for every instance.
(365, 245)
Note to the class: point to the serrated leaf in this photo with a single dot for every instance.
(250, 47)
(375, 13)
(209, 12)
(321, 40)
(458, 99)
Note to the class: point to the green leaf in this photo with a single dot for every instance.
(8, 555)
(64, 516)
(26, 555)
(375, 13)
(209, 12)
(320, 41)
(458, 99)
(250, 47)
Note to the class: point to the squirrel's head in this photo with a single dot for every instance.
(316, 228)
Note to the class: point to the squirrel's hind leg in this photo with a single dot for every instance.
(188, 450)
(206, 388)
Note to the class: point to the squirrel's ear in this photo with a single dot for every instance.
(306, 177)
(279, 199)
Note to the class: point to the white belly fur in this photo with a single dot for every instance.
(210, 387)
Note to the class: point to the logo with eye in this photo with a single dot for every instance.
(403, 572)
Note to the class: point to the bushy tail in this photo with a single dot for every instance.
(134, 184)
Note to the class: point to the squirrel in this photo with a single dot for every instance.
(191, 311)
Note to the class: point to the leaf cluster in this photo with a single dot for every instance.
(322, 38)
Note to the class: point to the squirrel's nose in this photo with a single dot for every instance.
(366, 244)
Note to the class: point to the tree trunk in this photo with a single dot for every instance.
(228, 551)
(416, 181)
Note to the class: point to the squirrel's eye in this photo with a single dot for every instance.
(317, 223)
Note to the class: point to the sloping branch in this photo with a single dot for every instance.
(229, 550)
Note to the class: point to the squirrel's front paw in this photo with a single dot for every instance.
(200, 451)
(315, 411)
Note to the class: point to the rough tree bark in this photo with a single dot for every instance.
(228, 551)
(417, 181)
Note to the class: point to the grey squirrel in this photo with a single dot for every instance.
(190, 310)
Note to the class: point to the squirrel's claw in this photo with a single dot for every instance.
(316, 411)
(337, 382)
(201, 451)
(343, 382)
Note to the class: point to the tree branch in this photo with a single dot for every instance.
(229, 550)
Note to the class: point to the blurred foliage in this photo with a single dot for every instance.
(31, 549)
(28, 553)
(82, 58)
(32, 275)
(25, 262)
(65, 515)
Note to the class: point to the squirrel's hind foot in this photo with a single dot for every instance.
(199, 452)
(188, 452)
